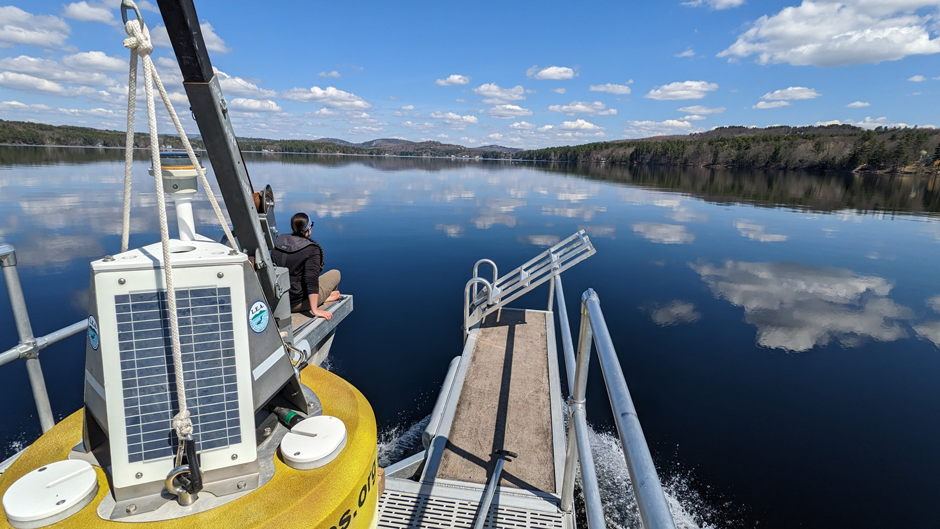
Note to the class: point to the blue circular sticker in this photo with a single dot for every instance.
(93, 337)
(258, 316)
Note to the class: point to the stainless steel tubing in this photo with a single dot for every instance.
(476, 268)
(592, 495)
(25, 331)
(466, 302)
(576, 401)
(488, 495)
(566, 344)
(654, 511)
(61, 334)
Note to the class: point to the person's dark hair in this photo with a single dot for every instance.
(298, 224)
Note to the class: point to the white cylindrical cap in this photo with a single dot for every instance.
(50, 494)
(313, 442)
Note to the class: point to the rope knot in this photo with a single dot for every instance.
(138, 38)
(182, 424)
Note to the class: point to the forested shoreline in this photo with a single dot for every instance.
(835, 147)
(830, 148)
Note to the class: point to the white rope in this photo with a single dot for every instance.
(129, 149)
(140, 45)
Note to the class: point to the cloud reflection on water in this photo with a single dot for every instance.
(796, 307)
(673, 313)
(663, 233)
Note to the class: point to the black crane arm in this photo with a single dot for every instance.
(215, 126)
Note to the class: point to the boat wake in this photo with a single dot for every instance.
(400, 442)
(689, 510)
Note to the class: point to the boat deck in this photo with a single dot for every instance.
(506, 395)
(505, 405)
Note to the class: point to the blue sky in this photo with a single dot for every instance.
(522, 74)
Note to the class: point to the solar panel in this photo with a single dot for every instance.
(147, 376)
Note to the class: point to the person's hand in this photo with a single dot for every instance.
(326, 315)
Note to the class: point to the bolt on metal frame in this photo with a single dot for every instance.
(29, 345)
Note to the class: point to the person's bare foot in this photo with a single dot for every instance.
(333, 296)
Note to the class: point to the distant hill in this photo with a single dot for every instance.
(26, 133)
(833, 147)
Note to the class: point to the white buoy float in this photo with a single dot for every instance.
(50, 494)
(313, 442)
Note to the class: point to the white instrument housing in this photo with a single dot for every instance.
(130, 378)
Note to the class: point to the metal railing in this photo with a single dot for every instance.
(504, 289)
(654, 510)
(29, 345)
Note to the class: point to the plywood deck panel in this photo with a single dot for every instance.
(505, 404)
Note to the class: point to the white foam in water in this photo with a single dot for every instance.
(399, 442)
(616, 490)
(620, 509)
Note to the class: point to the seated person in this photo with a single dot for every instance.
(303, 258)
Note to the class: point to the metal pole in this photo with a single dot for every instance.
(25, 331)
(576, 402)
(551, 294)
(592, 495)
(491, 489)
(654, 511)
(567, 346)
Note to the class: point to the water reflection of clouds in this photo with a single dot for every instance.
(663, 233)
(756, 232)
(451, 230)
(544, 241)
(584, 212)
(673, 313)
(497, 210)
(609, 232)
(796, 307)
(930, 330)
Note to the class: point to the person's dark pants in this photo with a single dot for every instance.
(329, 280)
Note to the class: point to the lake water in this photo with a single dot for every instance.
(779, 331)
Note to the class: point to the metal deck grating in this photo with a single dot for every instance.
(404, 510)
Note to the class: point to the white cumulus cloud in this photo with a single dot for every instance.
(522, 125)
(764, 105)
(682, 90)
(560, 90)
(701, 110)
(508, 112)
(595, 108)
(253, 105)
(612, 88)
(687, 53)
(917, 79)
(494, 94)
(552, 73)
(791, 93)
(96, 61)
(839, 32)
(455, 120)
(580, 124)
(858, 104)
(334, 74)
(330, 97)
(644, 129)
(453, 80)
(90, 12)
(20, 27)
(237, 86)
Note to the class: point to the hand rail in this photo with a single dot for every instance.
(29, 345)
(650, 498)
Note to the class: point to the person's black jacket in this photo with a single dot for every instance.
(304, 260)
